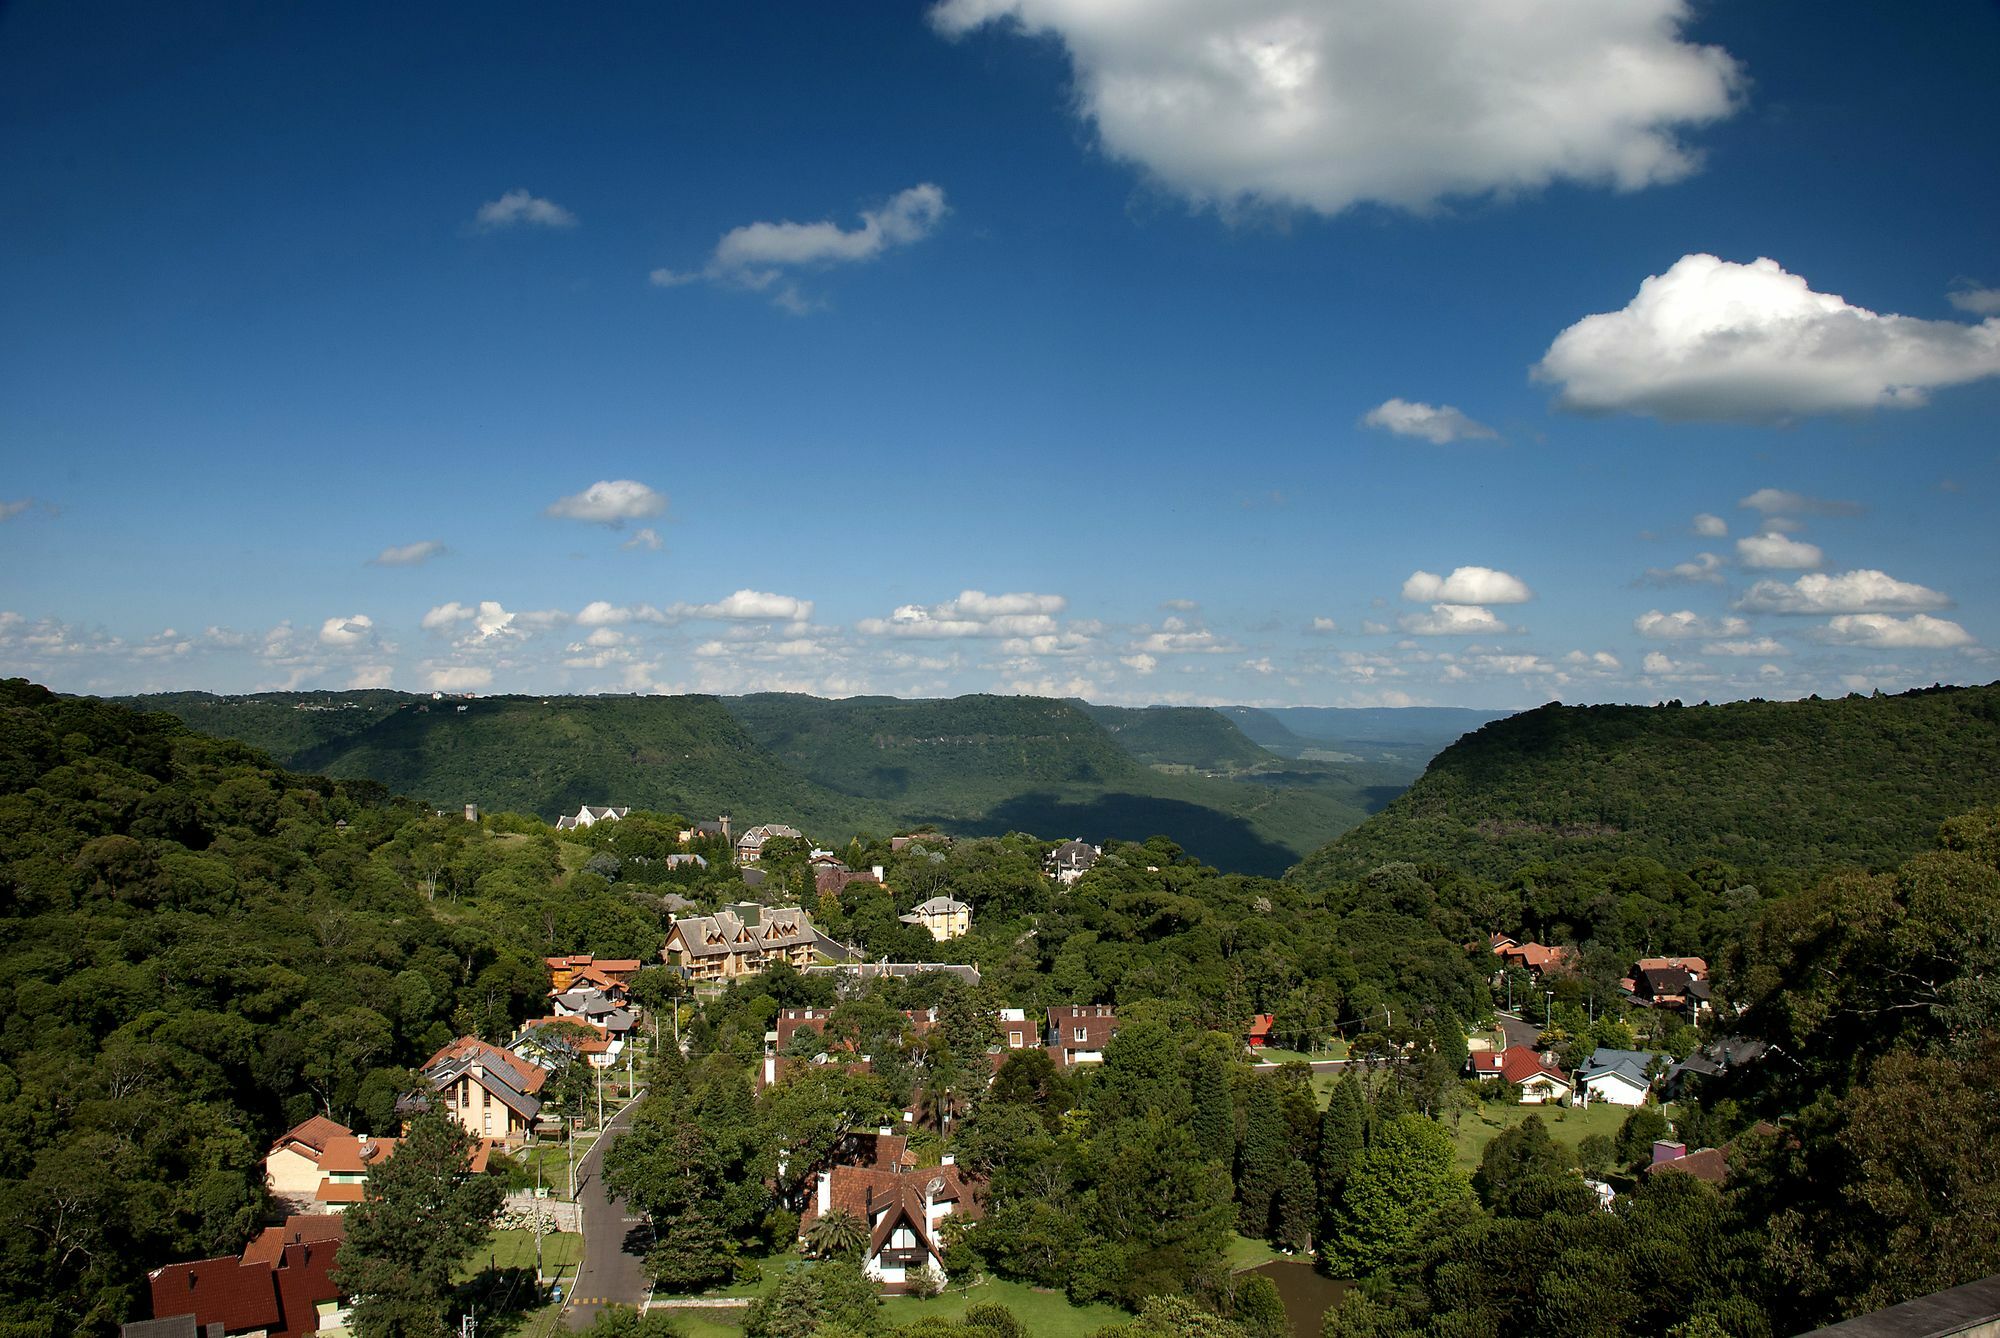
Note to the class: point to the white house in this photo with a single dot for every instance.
(589, 816)
(1617, 1076)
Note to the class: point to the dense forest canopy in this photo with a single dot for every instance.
(1801, 785)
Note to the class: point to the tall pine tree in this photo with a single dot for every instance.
(1343, 1131)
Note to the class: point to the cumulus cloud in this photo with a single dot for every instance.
(1863, 591)
(1710, 527)
(1601, 661)
(1919, 630)
(345, 633)
(1325, 105)
(1323, 627)
(1976, 299)
(1453, 620)
(408, 555)
(760, 256)
(647, 539)
(1715, 340)
(458, 678)
(1183, 641)
(371, 676)
(1467, 585)
(1437, 424)
(1771, 501)
(1775, 550)
(973, 614)
(1702, 569)
(1763, 646)
(610, 502)
(519, 208)
(750, 606)
(1685, 624)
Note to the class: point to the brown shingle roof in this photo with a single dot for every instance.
(311, 1136)
(224, 1290)
(306, 1228)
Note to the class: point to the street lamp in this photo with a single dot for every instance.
(1548, 1007)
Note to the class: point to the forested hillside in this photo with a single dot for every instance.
(1193, 737)
(201, 949)
(1803, 785)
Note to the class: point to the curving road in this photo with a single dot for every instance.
(613, 1268)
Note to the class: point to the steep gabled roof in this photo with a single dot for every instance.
(1519, 1064)
(310, 1137)
(223, 1290)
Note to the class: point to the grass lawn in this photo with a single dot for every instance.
(1246, 1252)
(1271, 1054)
(1045, 1314)
(1477, 1128)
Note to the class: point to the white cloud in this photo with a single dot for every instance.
(610, 502)
(1180, 605)
(1370, 627)
(1453, 620)
(758, 256)
(1710, 527)
(1438, 424)
(344, 633)
(1714, 340)
(1467, 585)
(973, 614)
(1761, 646)
(1324, 105)
(1702, 569)
(1684, 625)
(1775, 550)
(1876, 629)
(1771, 500)
(518, 208)
(408, 555)
(1602, 661)
(1057, 643)
(1324, 626)
(1979, 301)
(1657, 663)
(750, 606)
(458, 678)
(372, 676)
(1864, 591)
(444, 615)
(1184, 641)
(648, 539)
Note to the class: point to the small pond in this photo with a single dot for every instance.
(1306, 1292)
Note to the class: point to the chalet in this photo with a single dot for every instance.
(1257, 1032)
(924, 840)
(600, 1045)
(1536, 959)
(292, 1166)
(715, 949)
(1679, 983)
(280, 1287)
(589, 816)
(488, 1090)
(750, 845)
(833, 879)
(1535, 1078)
(1621, 1077)
(1072, 860)
(609, 974)
(1079, 1035)
(708, 831)
(942, 917)
(345, 1168)
(904, 1207)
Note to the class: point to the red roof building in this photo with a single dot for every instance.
(279, 1288)
(1258, 1034)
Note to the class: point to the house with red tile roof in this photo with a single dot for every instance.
(903, 1205)
(1537, 959)
(1536, 1078)
(281, 1287)
(1257, 1033)
(292, 1165)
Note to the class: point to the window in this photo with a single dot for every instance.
(1014, 1040)
(1082, 1035)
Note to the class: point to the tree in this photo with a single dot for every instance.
(622, 1321)
(1404, 1184)
(836, 1233)
(1259, 1310)
(1522, 1169)
(1261, 1162)
(813, 1297)
(1343, 1131)
(422, 1214)
(1645, 1126)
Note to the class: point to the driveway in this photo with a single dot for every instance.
(1519, 1030)
(613, 1270)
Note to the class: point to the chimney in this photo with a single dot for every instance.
(879, 871)
(948, 1159)
(825, 1197)
(1664, 1151)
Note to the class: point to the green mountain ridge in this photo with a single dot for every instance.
(975, 764)
(1809, 785)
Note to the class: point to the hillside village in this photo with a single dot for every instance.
(908, 1196)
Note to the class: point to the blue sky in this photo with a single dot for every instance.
(1279, 352)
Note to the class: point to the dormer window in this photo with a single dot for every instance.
(1082, 1035)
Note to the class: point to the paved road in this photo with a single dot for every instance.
(1519, 1031)
(610, 1273)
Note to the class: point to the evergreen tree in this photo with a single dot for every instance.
(1296, 1210)
(1406, 1183)
(1259, 1311)
(1343, 1131)
(1261, 1162)
(1214, 1109)
(423, 1213)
